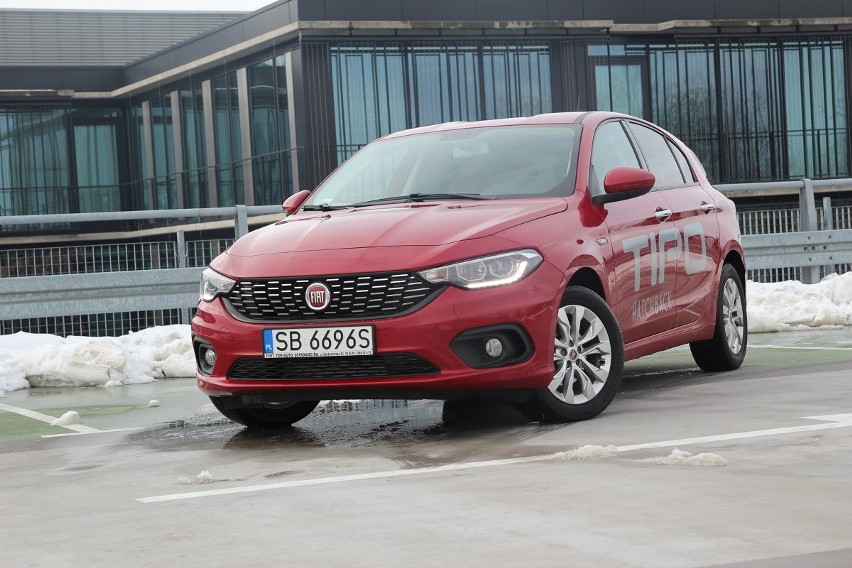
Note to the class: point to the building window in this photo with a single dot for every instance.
(381, 89)
(369, 95)
(444, 84)
(194, 156)
(34, 167)
(165, 187)
(815, 95)
(620, 86)
(752, 110)
(96, 160)
(751, 134)
(516, 80)
(684, 97)
(226, 124)
(139, 158)
(270, 130)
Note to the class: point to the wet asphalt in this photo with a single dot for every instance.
(389, 483)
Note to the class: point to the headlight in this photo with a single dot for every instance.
(485, 272)
(213, 284)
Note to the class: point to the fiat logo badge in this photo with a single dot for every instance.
(318, 296)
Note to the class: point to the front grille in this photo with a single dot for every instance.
(364, 296)
(308, 368)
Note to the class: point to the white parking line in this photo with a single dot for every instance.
(79, 428)
(827, 423)
(831, 421)
(93, 432)
(800, 347)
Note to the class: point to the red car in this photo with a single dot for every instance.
(523, 258)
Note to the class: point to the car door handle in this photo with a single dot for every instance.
(663, 214)
(707, 207)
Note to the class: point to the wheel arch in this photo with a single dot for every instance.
(587, 277)
(736, 260)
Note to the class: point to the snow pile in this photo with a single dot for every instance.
(679, 457)
(39, 360)
(590, 452)
(792, 305)
(204, 477)
(12, 372)
(67, 419)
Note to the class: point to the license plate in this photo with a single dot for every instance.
(338, 341)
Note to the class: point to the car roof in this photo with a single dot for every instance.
(549, 118)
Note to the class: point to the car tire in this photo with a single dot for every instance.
(726, 350)
(264, 418)
(588, 357)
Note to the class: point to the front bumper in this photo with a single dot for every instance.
(528, 307)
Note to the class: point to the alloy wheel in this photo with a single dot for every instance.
(581, 356)
(732, 315)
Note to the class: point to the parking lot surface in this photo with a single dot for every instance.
(748, 468)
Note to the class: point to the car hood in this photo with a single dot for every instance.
(410, 224)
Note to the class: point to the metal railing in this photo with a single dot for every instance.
(803, 244)
(108, 289)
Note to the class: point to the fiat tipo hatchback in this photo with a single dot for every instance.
(524, 258)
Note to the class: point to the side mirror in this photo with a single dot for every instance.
(292, 203)
(625, 183)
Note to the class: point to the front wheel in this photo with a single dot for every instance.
(726, 350)
(272, 416)
(588, 361)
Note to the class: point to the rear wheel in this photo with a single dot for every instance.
(588, 358)
(274, 415)
(726, 350)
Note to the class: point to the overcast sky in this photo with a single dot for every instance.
(192, 5)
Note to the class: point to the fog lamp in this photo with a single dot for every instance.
(494, 347)
(210, 357)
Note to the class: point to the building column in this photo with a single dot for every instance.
(148, 140)
(210, 144)
(293, 150)
(245, 135)
(177, 139)
(313, 112)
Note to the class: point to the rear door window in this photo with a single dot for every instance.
(657, 152)
(682, 162)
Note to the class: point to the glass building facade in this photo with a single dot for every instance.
(379, 89)
(754, 110)
(56, 160)
(255, 128)
(214, 142)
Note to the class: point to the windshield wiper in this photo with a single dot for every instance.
(419, 197)
(322, 207)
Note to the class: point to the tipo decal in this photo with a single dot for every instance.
(664, 247)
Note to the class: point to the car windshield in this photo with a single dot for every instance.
(468, 163)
